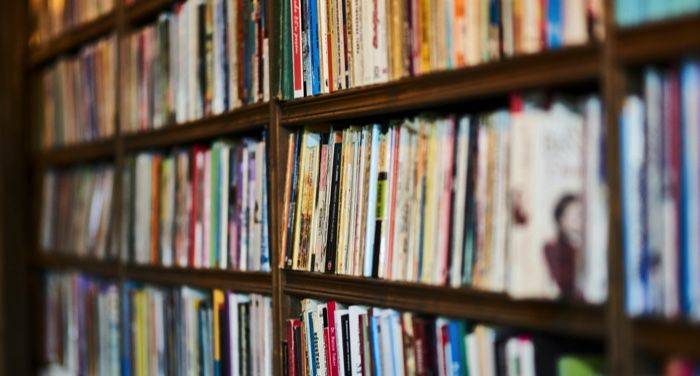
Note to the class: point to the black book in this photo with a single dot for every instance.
(289, 249)
(347, 364)
(332, 238)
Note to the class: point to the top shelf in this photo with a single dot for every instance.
(77, 36)
(72, 39)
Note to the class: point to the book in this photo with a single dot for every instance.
(202, 208)
(330, 45)
(388, 342)
(198, 59)
(476, 199)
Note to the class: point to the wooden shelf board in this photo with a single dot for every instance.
(252, 282)
(78, 153)
(667, 336)
(551, 68)
(660, 40)
(494, 308)
(141, 10)
(72, 39)
(100, 268)
(255, 116)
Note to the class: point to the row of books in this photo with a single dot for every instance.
(184, 331)
(204, 207)
(51, 18)
(660, 129)
(76, 211)
(77, 96)
(511, 200)
(92, 328)
(329, 338)
(329, 45)
(201, 58)
(634, 12)
(81, 325)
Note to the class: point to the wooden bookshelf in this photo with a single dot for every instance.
(253, 282)
(56, 261)
(78, 153)
(245, 119)
(494, 308)
(598, 65)
(566, 67)
(667, 337)
(659, 41)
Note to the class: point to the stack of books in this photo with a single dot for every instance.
(329, 45)
(634, 12)
(201, 58)
(51, 18)
(192, 332)
(204, 207)
(78, 97)
(331, 339)
(81, 325)
(76, 211)
(511, 200)
(660, 179)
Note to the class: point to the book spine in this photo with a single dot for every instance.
(297, 40)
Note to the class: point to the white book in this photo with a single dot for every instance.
(575, 23)
(319, 338)
(355, 345)
(323, 45)
(527, 358)
(396, 342)
(593, 281)
(219, 50)
(690, 117)
(371, 212)
(381, 50)
(460, 200)
(632, 130)
(340, 345)
(243, 248)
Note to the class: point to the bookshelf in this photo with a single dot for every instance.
(601, 65)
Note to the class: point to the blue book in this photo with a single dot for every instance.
(306, 46)
(632, 160)
(554, 24)
(126, 328)
(314, 41)
(457, 332)
(311, 341)
(375, 333)
(690, 189)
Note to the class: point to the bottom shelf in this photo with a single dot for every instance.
(491, 308)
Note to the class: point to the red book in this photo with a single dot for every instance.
(331, 340)
(297, 74)
(421, 347)
(292, 326)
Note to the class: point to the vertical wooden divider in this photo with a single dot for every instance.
(619, 350)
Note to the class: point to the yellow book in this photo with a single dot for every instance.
(218, 300)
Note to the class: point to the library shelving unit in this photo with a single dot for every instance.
(600, 64)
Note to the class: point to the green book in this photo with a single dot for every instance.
(572, 365)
